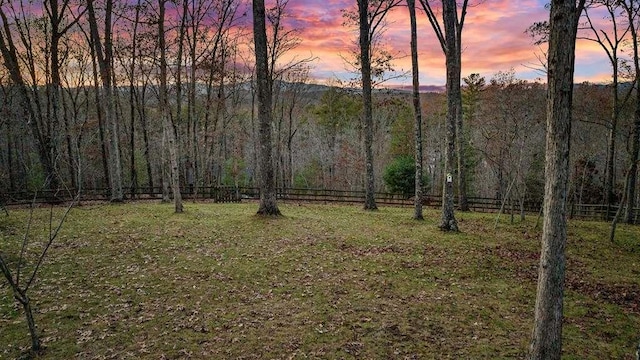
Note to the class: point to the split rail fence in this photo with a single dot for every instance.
(227, 194)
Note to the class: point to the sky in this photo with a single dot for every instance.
(493, 38)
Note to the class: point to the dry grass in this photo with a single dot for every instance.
(330, 282)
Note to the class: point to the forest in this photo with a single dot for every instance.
(172, 97)
(89, 94)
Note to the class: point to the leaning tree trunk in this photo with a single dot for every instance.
(449, 222)
(546, 340)
(268, 204)
(417, 109)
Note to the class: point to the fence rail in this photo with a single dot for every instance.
(237, 194)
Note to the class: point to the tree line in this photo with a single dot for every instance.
(94, 97)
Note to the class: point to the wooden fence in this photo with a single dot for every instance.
(235, 194)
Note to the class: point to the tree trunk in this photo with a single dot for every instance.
(167, 125)
(546, 340)
(290, 135)
(10, 145)
(54, 88)
(635, 145)
(31, 323)
(461, 139)
(449, 222)
(132, 105)
(68, 142)
(99, 115)
(117, 195)
(367, 116)
(145, 139)
(417, 111)
(611, 148)
(633, 170)
(105, 65)
(132, 149)
(268, 205)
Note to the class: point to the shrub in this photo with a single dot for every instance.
(400, 176)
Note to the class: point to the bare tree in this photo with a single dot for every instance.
(632, 9)
(510, 132)
(365, 68)
(448, 41)
(546, 338)
(610, 42)
(20, 285)
(104, 55)
(417, 111)
(134, 105)
(268, 204)
(213, 21)
(286, 79)
(169, 132)
(371, 15)
(23, 74)
(449, 35)
(292, 100)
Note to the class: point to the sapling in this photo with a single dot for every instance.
(19, 278)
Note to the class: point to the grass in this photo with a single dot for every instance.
(330, 282)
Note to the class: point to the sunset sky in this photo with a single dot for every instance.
(493, 40)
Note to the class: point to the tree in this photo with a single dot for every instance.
(287, 82)
(214, 23)
(169, 132)
(449, 42)
(57, 14)
(610, 42)
(365, 68)
(130, 62)
(546, 339)
(371, 14)
(417, 109)
(450, 37)
(292, 100)
(632, 9)
(471, 102)
(104, 55)
(268, 204)
(511, 133)
(22, 70)
(20, 285)
(336, 113)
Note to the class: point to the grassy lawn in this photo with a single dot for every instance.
(325, 282)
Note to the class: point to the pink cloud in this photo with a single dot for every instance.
(494, 39)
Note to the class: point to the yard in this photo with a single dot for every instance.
(326, 282)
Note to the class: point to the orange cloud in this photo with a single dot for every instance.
(494, 39)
